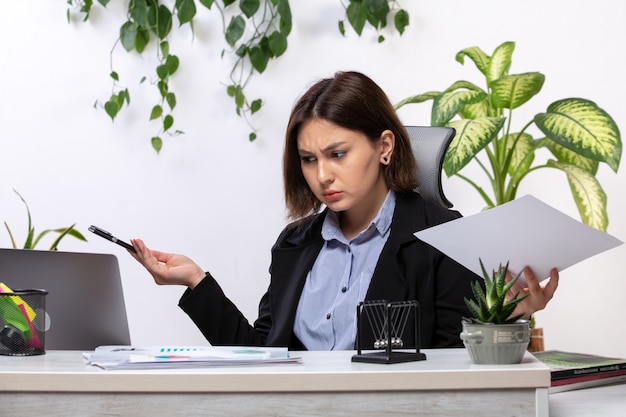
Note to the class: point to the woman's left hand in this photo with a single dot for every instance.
(538, 295)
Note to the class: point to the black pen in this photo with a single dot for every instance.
(108, 236)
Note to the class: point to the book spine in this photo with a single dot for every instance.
(579, 372)
(588, 377)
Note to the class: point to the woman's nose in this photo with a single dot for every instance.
(324, 174)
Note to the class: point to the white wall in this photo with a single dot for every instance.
(216, 197)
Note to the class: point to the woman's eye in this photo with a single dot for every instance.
(339, 154)
(307, 159)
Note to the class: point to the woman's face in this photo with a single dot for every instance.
(342, 167)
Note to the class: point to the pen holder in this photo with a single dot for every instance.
(23, 322)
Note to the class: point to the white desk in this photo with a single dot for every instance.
(325, 384)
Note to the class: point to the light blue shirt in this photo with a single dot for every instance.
(338, 281)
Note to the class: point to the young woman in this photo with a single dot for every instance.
(349, 179)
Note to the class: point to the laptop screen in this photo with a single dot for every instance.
(85, 302)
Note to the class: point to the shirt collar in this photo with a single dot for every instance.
(382, 221)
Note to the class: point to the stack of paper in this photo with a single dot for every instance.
(156, 357)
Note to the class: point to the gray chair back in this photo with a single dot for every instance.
(429, 145)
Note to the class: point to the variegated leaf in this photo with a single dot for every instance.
(581, 126)
(500, 62)
(523, 153)
(448, 104)
(420, 98)
(481, 59)
(512, 91)
(562, 154)
(471, 137)
(588, 194)
(475, 110)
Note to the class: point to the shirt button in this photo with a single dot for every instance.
(344, 289)
(328, 316)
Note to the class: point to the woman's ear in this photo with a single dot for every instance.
(387, 145)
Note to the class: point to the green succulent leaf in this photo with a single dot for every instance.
(583, 127)
(511, 91)
(472, 136)
(588, 195)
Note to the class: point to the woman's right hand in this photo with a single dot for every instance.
(167, 268)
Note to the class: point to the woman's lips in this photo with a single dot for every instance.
(332, 194)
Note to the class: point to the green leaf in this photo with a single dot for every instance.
(163, 88)
(171, 63)
(449, 104)
(141, 40)
(401, 20)
(171, 100)
(168, 121)
(581, 126)
(231, 90)
(228, 2)
(562, 154)
(282, 6)
(249, 7)
(186, 10)
(252, 137)
(157, 143)
(165, 48)
(480, 59)
(111, 108)
(207, 3)
(500, 62)
(342, 28)
(588, 194)
(160, 20)
(511, 91)
(128, 33)
(522, 156)
(471, 137)
(357, 16)
(255, 106)
(235, 30)
(259, 59)
(277, 43)
(420, 98)
(162, 72)
(156, 112)
(381, 39)
(138, 12)
(377, 11)
(114, 75)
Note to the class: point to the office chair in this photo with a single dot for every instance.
(429, 145)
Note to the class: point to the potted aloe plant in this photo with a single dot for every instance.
(492, 335)
(578, 134)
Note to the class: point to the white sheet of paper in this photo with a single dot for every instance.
(524, 232)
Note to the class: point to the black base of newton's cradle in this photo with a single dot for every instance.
(389, 357)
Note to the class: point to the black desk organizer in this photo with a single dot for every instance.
(387, 321)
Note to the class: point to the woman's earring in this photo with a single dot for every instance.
(385, 160)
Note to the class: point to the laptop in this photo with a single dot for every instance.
(85, 303)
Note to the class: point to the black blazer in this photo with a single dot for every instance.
(408, 269)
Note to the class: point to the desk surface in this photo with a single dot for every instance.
(319, 371)
(60, 383)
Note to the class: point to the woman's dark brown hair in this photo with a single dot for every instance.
(353, 101)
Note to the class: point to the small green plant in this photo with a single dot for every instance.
(579, 134)
(491, 304)
(32, 240)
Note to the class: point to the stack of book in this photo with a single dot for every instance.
(570, 370)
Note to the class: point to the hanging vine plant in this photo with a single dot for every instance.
(255, 31)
